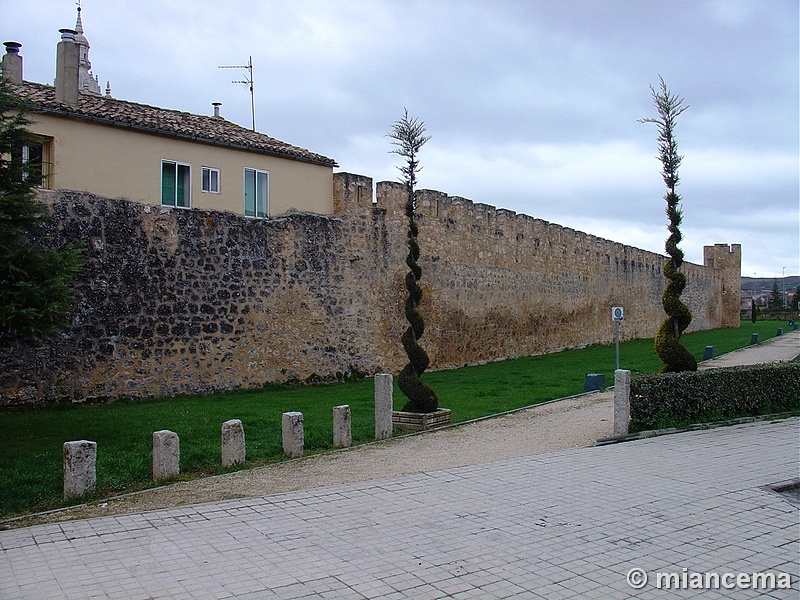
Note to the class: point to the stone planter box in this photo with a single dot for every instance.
(421, 421)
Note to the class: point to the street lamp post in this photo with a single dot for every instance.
(783, 284)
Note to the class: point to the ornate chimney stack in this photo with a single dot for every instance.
(68, 61)
(12, 62)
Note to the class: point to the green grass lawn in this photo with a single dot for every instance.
(31, 439)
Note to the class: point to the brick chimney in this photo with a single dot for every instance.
(12, 62)
(68, 61)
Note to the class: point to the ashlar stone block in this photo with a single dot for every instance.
(383, 406)
(292, 433)
(166, 455)
(80, 474)
(342, 427)
(233, 447)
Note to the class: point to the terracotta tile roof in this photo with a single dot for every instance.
(162, 121)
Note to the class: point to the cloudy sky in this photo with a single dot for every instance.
(532, 105)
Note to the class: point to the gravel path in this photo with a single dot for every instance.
(567, 423)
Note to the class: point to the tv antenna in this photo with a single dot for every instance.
(248, 80)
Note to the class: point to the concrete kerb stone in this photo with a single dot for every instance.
(80, 474)
(233, 446)
(166, 455)
(649, 433)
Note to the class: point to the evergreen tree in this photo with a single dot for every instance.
(775, 298)
(35, 294)
(667, 342)
(409, 136)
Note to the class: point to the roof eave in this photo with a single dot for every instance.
(322, 161)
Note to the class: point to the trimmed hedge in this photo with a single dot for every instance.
(679, 399)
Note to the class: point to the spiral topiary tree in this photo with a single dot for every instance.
(667, 343)
(409, 136)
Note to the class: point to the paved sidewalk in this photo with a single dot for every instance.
(780, 348)
(565, 524)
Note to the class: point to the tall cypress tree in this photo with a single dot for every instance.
(409, 136)
(35, 293)
(667, 343)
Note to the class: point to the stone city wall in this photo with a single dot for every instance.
(179, 302)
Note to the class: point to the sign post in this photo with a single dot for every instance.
(617, 315)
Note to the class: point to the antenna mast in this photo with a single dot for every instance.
(248, 80)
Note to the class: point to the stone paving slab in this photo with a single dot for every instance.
(565, 524)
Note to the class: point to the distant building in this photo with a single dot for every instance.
(92, 142)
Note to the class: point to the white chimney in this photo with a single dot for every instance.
(12, 62)
(216, 106)
(68, 62)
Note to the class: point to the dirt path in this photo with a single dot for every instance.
(568, 423)
(557, 425)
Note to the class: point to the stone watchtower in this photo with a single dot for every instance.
(728, 259)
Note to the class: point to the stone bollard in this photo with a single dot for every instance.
(383, 406)
(708, 353)
(233, 448)
(293, 437)
(754, 338)
(342, 430)
(622, 401)
(80, 474)
(166, 455)
(780, 331)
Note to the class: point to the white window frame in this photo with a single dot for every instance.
(261, 178)
(187, 183)
(213, 180)
(44, 144)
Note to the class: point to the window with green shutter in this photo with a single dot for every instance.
(176, 184)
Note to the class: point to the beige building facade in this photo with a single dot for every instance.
(116, 163)
(90, 142)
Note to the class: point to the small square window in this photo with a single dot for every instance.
(210, 180)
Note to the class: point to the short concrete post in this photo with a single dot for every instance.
(780, 331)
(622, 401)
(166, 455)
(233, 447)
(708, 353)
(293, 437)
(754, 338)
(80, 474)
(342, 430)
(383, 406)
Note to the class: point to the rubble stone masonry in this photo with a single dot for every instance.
(179, 302)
